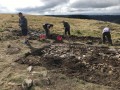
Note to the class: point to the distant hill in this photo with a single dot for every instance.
(109, 18)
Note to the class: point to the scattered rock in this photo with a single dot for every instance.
(119, 51)
(46, 81)
(13, 84)
(95, 64)
(112, 51)
(44, 73)
(63, 56)
(29, 69)
(79, 58)
(31, 61)
(84, 56)
(42, 82)
(110, 72)
(27, 84)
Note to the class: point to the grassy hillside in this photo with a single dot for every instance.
(79, 27)
(72, 72)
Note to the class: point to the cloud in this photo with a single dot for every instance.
(3, 9)
(95, 7)
(94, 3)
(62, 6)
(48, 6)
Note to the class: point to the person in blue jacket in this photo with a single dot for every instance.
(23, 25)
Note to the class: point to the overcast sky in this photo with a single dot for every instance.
(61, 6)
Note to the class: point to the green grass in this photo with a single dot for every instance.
(1, 30)
(79, 27)
(17, 79)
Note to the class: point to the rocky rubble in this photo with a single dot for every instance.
(96, 64)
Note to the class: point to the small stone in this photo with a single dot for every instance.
(13, 64)
(119, 51)
(62, 56)
(112, 51)
(42, 82)
(91, 50)
(46, 81)
(115, 58)
(29, 69)
(84, 62)
(110, 72)
(119, 59)
(79, 58)
(84, 56)
(27, 84)
(44, 73)
(13, 84)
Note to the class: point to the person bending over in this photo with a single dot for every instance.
(106, 35)
(47, 28)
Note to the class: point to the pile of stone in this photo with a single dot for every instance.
(96, 64)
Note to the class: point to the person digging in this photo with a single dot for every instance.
(106, 35)
(47, 28)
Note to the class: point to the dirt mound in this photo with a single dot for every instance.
(96, 64)
(86, 38)
(80, 38)
(34, 35)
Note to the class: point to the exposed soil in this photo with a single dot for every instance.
(75, 63)
(34, 35)
(86, 60)
(96, 64)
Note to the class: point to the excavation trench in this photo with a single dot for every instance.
(96, 64)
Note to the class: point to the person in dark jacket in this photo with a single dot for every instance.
(23, 26)
(66, 27)
(106, 35)
(47, 27)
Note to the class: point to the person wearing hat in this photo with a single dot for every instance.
(66, 27)
(106, 35)
(23, 25)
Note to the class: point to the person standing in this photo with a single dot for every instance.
(66, 27)
(106, 35)
(47, 28)
(24, 28)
